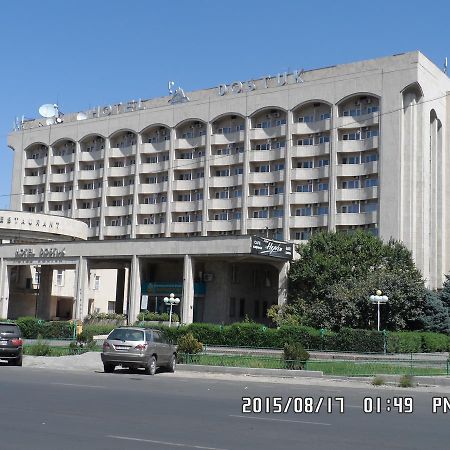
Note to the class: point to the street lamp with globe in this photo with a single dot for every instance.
(171, 300)
(379, 299)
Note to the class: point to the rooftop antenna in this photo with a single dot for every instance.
(445, 64)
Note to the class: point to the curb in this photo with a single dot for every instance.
(276, 373)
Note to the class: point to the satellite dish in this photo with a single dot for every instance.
(81, 116)
(59, 120)
(49, 121)
(48, 110)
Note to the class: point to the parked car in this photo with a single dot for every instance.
(135, 347)
(11, 344)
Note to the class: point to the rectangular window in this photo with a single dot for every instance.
(97, 282)
(232, 311)
(305, 165)
(322, 186)
(350, 184)
(371, 182)
(302, 235)
(111, 307)
(305, 141)
(305, 188)
(306, 119)
(303, 211)
(242, 308)
(59, 278)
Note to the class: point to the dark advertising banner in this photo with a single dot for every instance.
(269, 247)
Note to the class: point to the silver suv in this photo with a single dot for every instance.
(135, 347)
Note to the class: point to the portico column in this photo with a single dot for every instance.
(81, 303)
(4, 289)
(134, 304)
(283, 284)
(44, 298)
(187, 301)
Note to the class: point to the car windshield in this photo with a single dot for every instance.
(121, 334)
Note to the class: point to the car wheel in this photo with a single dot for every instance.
(108, 368)
(172, 363)
(150, 369)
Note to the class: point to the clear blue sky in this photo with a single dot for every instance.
(91, 52)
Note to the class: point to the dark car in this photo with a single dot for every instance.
(11, 343)
(135, 347)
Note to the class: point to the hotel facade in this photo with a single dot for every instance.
(354, 146)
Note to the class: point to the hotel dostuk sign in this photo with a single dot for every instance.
(43, 253)
(269, 247)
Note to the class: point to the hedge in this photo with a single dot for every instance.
(255, 335)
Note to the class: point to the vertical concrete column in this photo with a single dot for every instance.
(245, 175)
(171, 175)
(120, 290)
(206, 168)
(134, 294)
(4, 288)
(82, 285)
(287, 177)
(44, 298)
(283, 283)
(47, 180)
(101, 235)
(75, 179)
(135, 187)
(187, 302)
(332, 169)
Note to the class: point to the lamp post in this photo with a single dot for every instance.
(171, 300)
(379, 299)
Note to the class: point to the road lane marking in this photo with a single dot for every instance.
(175, 444)
(279, 420)
(81, 385)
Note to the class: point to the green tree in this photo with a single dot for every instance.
(331, 283)
(435, 314)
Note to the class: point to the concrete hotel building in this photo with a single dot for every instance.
(354, 146)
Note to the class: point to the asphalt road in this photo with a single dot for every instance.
(64, 410)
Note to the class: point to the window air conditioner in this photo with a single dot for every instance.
(276, 114)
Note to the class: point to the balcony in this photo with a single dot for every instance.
(121, 171)
(304, 198)
(223, 225)
(117, 211)
(357, 194)
(154, 167)
(163, 146)
(365, 120)
(59, 196)
(119, 191)
(188, 185)
(194, 205)
(266, 133)
(266, 155)
(232, 180)
(97, 155)
(223, 139)
(32, 198)
(354, 170)
(311, 127)
(155, 208)
(35, 163)
(266, 177)
(117, 231)
(86, 194)
(199, 141)
(153, 188)
(184, 164)
(33, 181)
(356, 218)
(62, 160)
(186, 227)
(96, 174)
(81, 213)
(308, 221)
(309, 174)
(227, 160)
(358, 145)
(301, 151)
(120, 152)
(60, 177)
(225, 203)
(261, 224)
(149, 229)
(259, 201)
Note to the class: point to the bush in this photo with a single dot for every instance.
(30, 327)
(378, 381)
(434, 342)
(98, 329)
(40, 348)
(406, 381)
(364, 341)
(295, 356)
(164, 317)
(404, 342)
(57, 330)
(188, 344)
(105, 318)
